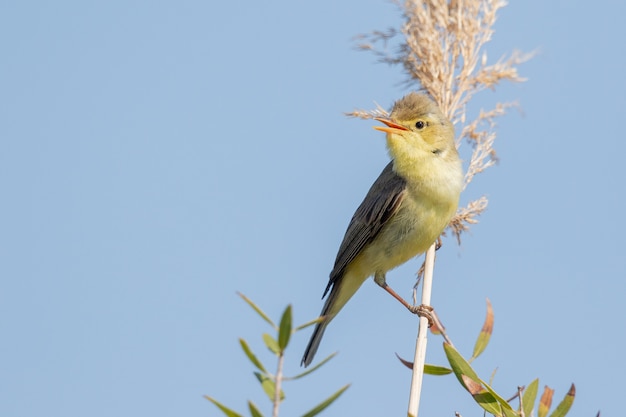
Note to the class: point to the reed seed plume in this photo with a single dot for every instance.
(441, 49)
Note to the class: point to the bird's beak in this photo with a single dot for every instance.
(391, 126)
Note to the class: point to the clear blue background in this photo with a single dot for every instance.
(157, 157)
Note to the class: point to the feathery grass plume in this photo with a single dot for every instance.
(441, 51)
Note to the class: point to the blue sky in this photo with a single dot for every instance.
(157, 157)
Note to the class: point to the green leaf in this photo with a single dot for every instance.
(284, 330)
(268, 386)
(503, 403)
(510, 413)
(317, 366)
(459, 365)
(428, 369)
(483, 397)
(464, 372)
(436, 370)
(485, 333)
(529, 397)
(565, 404)
(492, 377)
(254, 411)
(271, 343)
(328, 401)
(255, 361)
(309, 323)
(258, 310)
(225, 410)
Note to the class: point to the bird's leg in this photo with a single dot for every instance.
(420, 310)
(438, 243)
(379, 278)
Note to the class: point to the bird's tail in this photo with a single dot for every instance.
(320, 327)
(342, 290)
(314, 343)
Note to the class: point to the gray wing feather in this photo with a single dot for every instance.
(380, 203)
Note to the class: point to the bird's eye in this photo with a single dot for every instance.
(420, 125)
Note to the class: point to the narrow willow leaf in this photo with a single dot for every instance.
(564, 406)
(267, 384)
(317, 366)
(436, 370)
(545, 402)
(254, 411)
(255, 361)
(271, 343)
(503, 403)
(492, 377)
(328, 401)
(227, 411)
(258, 310)
(472, 386)
(510, 413)
(284, 330)
(428, 369)
(485, 333)
(482, 396)
(406, 363)
(529, 397)
(461, 367)
(309, 323)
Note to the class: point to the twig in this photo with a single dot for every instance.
(277, 384)
(521, 401)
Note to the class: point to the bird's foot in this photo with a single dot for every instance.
(423, 311)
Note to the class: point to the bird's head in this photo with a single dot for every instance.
(417, 129)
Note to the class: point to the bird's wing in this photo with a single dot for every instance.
(380, 203)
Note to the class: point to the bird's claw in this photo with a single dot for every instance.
(423, 311)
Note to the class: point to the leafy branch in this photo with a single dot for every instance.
(272, 383)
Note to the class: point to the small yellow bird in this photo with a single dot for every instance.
(405, 210)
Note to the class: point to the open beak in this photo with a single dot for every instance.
(391, 126)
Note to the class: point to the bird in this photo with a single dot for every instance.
(405, 210)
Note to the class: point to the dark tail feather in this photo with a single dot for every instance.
(314, 343)
(316, 337)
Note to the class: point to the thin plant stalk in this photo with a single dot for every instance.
(277, 384)
(420, 345)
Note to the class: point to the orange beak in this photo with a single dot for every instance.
(391, 126)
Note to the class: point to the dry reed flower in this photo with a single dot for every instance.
(441, 51)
